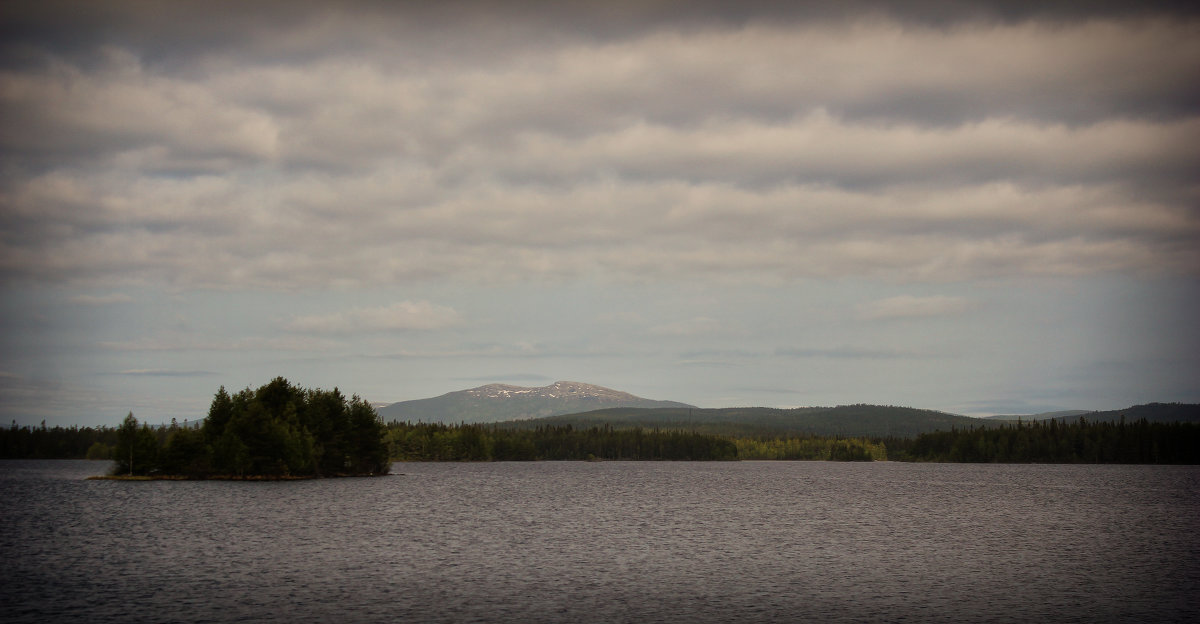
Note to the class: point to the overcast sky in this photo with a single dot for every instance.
(973, 207)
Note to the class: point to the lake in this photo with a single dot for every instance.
(608, 542)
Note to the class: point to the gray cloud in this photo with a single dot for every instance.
(100, 300)
(694, 326)
(759, 390)
(182, 344)
(908, 306)
(330, 108)
(162, 372)
(399, 316)
(853, 353)
(661, 229)
(663, 140)
(1011, 407)
(522, 377)
(286, 29)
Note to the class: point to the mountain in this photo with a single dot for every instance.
(500, 402)
(845, 420)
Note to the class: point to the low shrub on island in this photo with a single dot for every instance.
(277, 431)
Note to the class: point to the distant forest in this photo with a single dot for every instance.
(1052, 441)
(846, 421)
(282, 430)
(438, 442)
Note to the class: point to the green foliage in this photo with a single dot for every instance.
(186, 453)
(280, 430)
(847, 421)
(1051, 441)
(56, 442)
(137, 450)
(366, 440)
(438, 442)
(811, 448)
(98, 450)
(231, 456)
(276, 431)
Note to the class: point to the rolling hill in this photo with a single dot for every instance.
(845, 420)
(585, 405)
(1152, 412)
(1071, 414)
(872, 421)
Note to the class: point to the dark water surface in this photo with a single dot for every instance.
(608, 542)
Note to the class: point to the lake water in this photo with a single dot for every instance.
(608, 542)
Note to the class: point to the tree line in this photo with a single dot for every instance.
(278, 430)
(1051, 441)
(811, 448)
(476, 442)
(282, 430)
(189, 449)
(26, 442)
(440, 442)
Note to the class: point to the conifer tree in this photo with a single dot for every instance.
(136, 451)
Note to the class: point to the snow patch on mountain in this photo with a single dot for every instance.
(558, 389)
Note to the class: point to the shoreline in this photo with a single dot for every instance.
(228, 477)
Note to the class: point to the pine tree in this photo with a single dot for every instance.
(136, 451)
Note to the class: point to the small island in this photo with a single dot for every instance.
(276, 432)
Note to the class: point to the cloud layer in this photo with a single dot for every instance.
(908, 306)
(400, 316)
(936, 204)
(711, 144)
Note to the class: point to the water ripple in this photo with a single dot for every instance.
(608, 542)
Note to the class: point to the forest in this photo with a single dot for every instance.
(276, 431)
(280, 430)
(811, 448)
(844, 421)
(438, 442)
(1051, 441)
(161, 446)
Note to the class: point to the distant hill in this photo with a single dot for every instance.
(585, 405)
(846, 420)
(502, 402)
(1042, 416)
(1152, 412)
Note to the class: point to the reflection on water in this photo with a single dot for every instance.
(608, 542)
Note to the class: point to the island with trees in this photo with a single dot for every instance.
(278, 431)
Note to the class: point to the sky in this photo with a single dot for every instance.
(973, 207)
